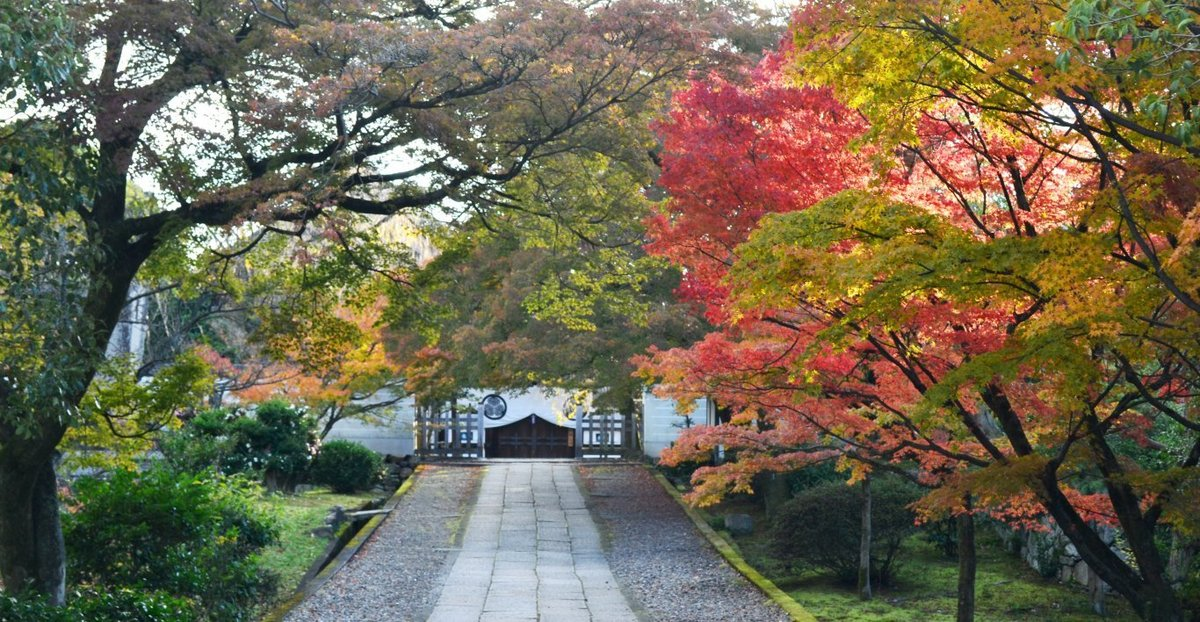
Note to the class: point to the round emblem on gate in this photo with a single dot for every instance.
(494, 407)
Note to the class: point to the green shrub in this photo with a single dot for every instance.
(681, 474)
(201, 444)
(127, 605)
(814, 475)
(114, 605)
(274, 443)
(13, 609)
(213, 422)
(1189, 592)
(346, 467)
(943, 534)
(192, 536)
(822, 527)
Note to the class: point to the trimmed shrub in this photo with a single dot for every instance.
(275, 443)
(192, 536)
(201, 444)
(346, 466)
(822, 526)
(279, 441)
(117, 605)
(814, 475)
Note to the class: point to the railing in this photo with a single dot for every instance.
(602, 435)
(450, 434)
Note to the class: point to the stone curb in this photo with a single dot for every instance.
(731, 555)
(343, 557)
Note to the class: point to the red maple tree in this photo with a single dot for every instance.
(962, 308)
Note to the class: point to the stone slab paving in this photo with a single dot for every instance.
(531, 553)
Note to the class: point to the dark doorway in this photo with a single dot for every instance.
(531, 437)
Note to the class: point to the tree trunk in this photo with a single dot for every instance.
(32, 555)
(1158, 603)
(966, 565)
(864, 547)
(32, 552)
(332, 415)
(1145, 586)
(1147, 591)
(1156, 599)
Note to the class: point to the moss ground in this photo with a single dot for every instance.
(1006, 589)
(298, 515)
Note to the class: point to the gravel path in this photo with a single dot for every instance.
(397, 575)
(659, 557)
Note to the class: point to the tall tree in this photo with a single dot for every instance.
(566, 301)
(268, 115)
(1117, 77)
(41, 181)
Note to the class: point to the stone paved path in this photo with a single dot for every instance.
(526, 548)
(531, 552)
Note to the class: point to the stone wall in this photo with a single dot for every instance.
(1051, 554)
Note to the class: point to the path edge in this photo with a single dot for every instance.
(348, 551)
(606, 541)
(735, 559)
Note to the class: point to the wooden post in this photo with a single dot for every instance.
(455, 428)
(627, 438)
(481, 430)
(578, 434)
(420, 443)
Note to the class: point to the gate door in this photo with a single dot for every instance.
(531, 437)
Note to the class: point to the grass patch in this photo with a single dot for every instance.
(298, 515)
(925, 590)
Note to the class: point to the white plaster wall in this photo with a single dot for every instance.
(394, 436)
(549, 404)
(663, 424)
(129, 336)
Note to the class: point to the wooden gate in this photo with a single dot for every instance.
(531, 437)
(453, 434)
(448, 434)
